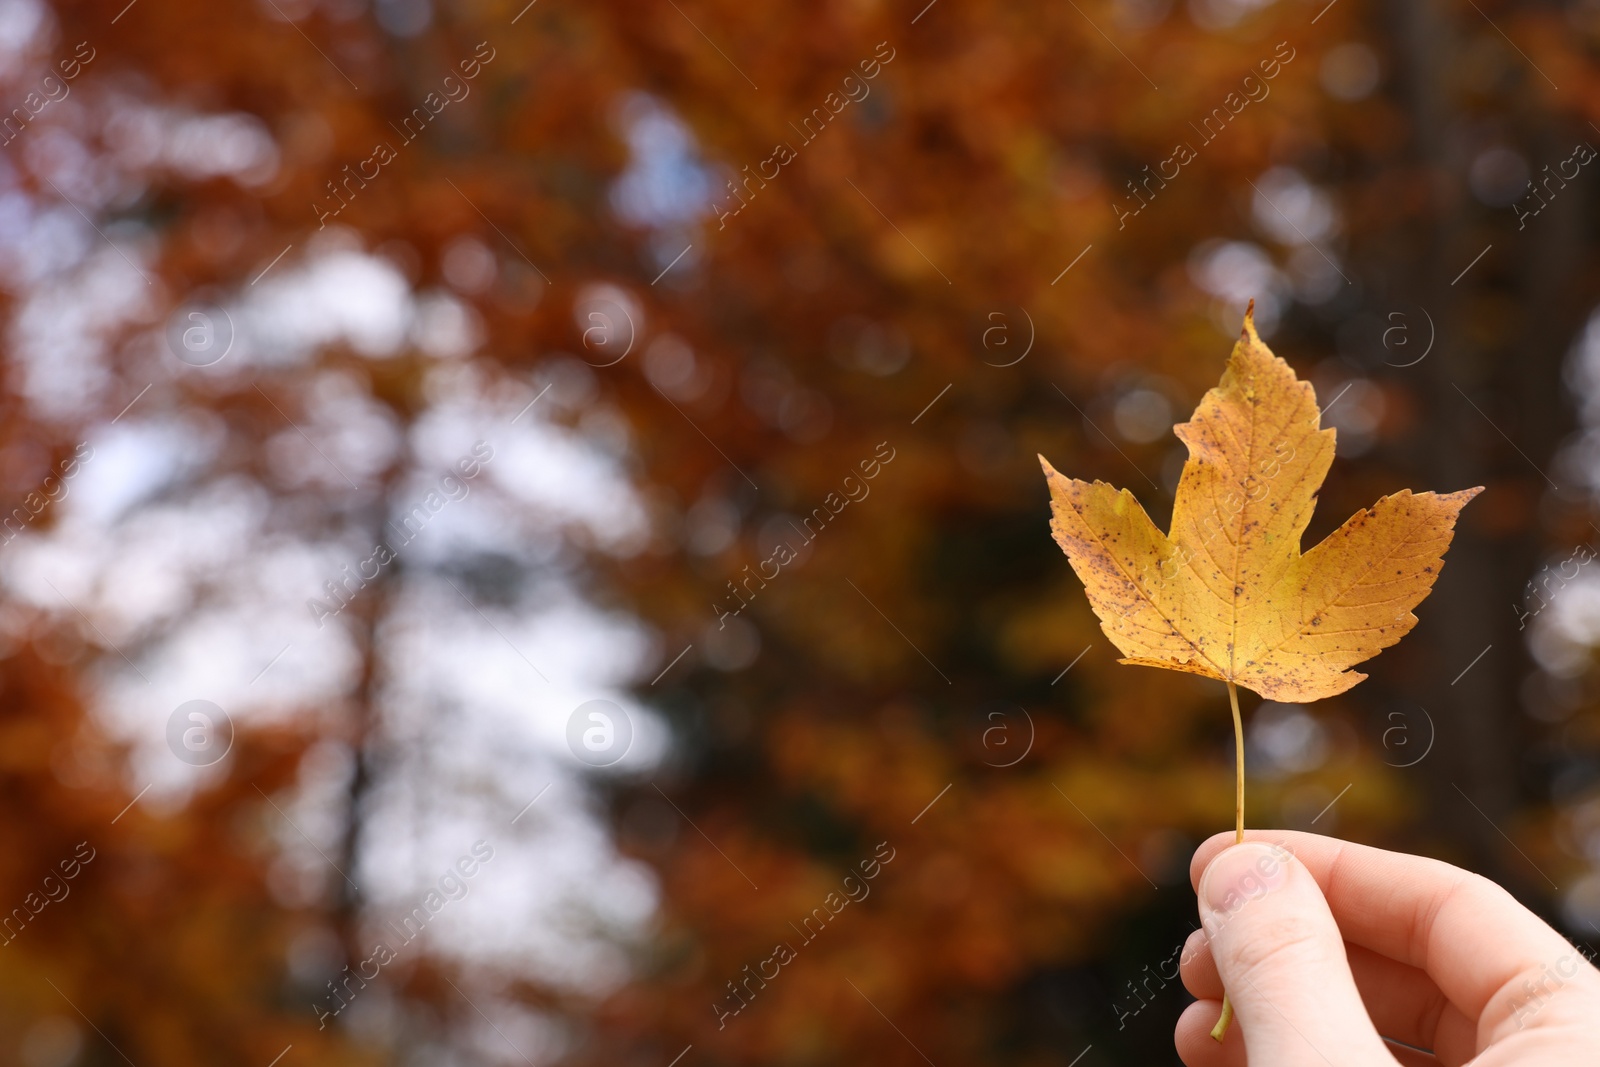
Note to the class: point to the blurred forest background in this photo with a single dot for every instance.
(666, 278)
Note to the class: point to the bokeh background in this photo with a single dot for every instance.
(444, 395)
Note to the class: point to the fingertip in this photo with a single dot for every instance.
(1216, 844)
(1198, 969)
(1242, 872)
(1195, 1045)
(1208, 850)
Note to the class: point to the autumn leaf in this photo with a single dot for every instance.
(1227, 593)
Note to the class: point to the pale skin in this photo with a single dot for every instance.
(1328, 948)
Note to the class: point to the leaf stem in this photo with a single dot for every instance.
(1238, 767)
(1220, 1031)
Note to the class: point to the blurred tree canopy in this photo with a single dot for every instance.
(822, 281)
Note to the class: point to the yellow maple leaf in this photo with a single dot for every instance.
(1228, 593)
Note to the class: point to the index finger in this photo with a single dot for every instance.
(1471, 936)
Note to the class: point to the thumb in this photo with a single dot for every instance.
(1282, 961)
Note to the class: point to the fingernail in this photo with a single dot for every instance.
(1243, 873)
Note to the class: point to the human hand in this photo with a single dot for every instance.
(1323, 945)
